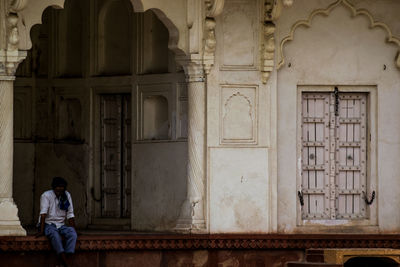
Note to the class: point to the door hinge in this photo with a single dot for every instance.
(336, 92)
(369, 201)
(301, 198)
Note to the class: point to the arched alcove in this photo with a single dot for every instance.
(81, 57)
(70, 29)
(115, 42)
(155, 117)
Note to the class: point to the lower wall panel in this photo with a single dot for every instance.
(173, 258)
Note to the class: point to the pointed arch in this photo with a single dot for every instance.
(326, 12)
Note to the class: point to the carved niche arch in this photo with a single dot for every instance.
(326, 12)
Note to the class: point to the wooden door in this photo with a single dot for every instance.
(315, 155)
(115, 155)
(351, 155)
(334, 155)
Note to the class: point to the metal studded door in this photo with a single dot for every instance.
(126, 156)
(315, 155)
(334, 145)
(351, 156)
(115, 155)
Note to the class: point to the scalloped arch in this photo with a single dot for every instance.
(173, 31)
(32, 15)
(355, 12)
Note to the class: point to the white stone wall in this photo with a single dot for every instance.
(339, 49)
(251, 170)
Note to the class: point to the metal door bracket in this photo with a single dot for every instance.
(369, 201)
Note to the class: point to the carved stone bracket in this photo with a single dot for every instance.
(10, 57)
(213, 9)
(18, 5)
(210, 44)
(272, 11)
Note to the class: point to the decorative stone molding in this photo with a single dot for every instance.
(194, 241)
(272, 11)
(355, 12)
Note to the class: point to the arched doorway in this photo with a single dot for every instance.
(84, 98)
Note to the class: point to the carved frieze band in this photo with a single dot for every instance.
(231, 242)
(355, 12)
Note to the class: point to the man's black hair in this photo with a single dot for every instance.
(59, 181)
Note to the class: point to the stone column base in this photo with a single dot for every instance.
(190, 226)
(9, 221)
(188, 221)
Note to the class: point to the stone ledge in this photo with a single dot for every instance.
(227, 241)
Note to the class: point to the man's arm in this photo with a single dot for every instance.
(41, 227)
(44, 209)
(71, 222)
(70, 212)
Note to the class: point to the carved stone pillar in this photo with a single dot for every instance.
(10, 57)
(192, 216)
(9, 221)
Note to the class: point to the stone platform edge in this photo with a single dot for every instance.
(220, 241)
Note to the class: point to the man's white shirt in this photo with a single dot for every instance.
(55, 215)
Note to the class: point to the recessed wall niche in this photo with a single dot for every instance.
(238, 114)
(114, 38)
(155, 118)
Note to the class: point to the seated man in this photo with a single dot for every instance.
(55, 207)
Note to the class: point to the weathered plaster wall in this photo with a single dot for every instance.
(240, 178)
(159, 185)
(341, 50)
